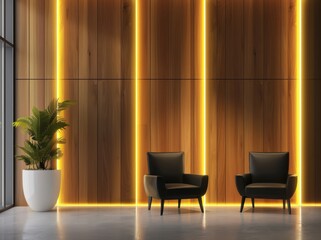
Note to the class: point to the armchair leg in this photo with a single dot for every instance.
(283, 203)
(289, 206)
(242, 203)
(201, 204)
(252, 202)
(150, 199)
(162, 207)
(179, 203)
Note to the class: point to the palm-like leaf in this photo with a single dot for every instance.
(42, 127)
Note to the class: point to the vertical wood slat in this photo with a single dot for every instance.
(165, 115)
(87, 39)
(272, 112)
(317, 129)
(292, 22)
(109, 141)
(253, 39)
(88, 159)
(221, 146)
(253, 119)
(212, 139)
(127, 142)
(272, 32)
(216, 39)
(170, 39)
(144, 134)
(22, 39)
(144, 62)
(69, 163)
(128, 40)
(308, 143)
(37, 39)
(69, 35)
(186, 107)
(37, 94)
(234, 136)
(50, 40)
(109, 39)
(196, 54)
(234, 39)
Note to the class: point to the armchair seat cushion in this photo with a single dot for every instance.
(181, 190)
(266, 190)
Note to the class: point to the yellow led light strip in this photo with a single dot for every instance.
(183, 204)
(204, 88)
(136, 98)
(58, 72)
(299, 99)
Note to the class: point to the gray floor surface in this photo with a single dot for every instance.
(139, 223)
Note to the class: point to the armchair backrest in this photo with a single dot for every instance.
(269, 167)
(169, 165)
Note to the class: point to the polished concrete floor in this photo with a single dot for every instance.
(139, 223)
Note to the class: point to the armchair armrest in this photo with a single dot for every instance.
(241, 181)
(291, 185)
(197, 180)
(154, 186)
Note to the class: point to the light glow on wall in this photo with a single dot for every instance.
(137, 139)
(204, 89)
(58, 51)
(203, 104)
(299, 99)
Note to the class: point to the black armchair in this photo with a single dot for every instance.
(268, 178)
(166, 179)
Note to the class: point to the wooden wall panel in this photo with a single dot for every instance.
(272, 111)
(109, 141)
(87, 28)
(221, 142)
(250, 88)
(289, 23)
(317, 129)
(309, 145)
(171, 39)
(37, 94)
(197, 166)
(50, 40)
(109, 39)
(234, 136)
(253, 39)
(144, 40)
(253, 118)
(186, 108)
(128, 40)
(22, 39)
(165, 115)
(88, 115)
(69, 35)
(69, 163)
(144, 134)
(37, 39)
(127, 142)
(212, 139)
(272, 39)
(311, 51)
(234, 39)
(216, 39)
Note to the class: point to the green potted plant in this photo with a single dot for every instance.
(41, 183)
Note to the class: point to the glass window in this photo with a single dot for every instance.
(6, 103)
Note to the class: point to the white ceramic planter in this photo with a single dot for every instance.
(41, 188)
